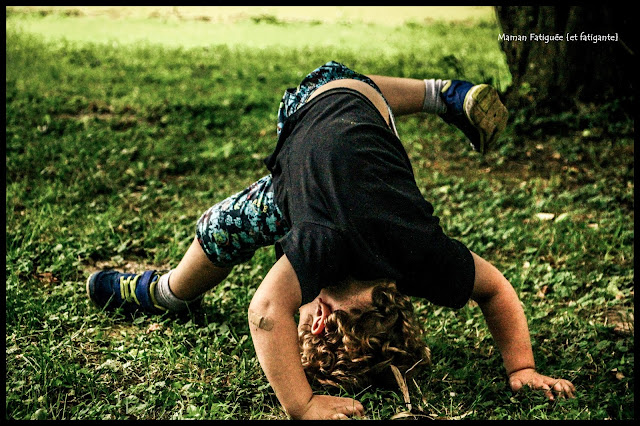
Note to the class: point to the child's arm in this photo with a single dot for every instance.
(507, 323)
(275, 337)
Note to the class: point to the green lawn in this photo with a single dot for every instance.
(121, 130)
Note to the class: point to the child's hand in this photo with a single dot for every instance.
(328, 407)
(529, 377)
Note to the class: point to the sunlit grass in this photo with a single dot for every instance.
(259, 32)
(381, 15)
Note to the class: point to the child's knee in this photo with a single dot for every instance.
(231, 231)
(219, 233)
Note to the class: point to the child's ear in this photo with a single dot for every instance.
(320, 317)
(318, 325)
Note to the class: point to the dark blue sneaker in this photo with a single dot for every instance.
(131, 292)
(476, 110)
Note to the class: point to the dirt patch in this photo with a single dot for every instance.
(537, 159)
(127, 266)
(621, 321)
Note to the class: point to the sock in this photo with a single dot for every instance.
(433, 103)
(166, 298)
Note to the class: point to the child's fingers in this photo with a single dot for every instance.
(548, 385)
(564, 388)
(547, 391)
(516, 384)
(356, 409)
(560, 387)
(351, 408)
(571, 389)
(559, 390)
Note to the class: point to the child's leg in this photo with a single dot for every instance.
(195, 274)
(404, 95)
(474, 109)
(227, 234)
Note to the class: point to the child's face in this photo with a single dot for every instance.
(348, 298)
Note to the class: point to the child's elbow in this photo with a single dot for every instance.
(260, 302)
(261, 314)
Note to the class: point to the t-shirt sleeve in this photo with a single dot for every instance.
(317, 255)
(447, 273)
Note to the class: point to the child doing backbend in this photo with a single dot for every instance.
(354, 238)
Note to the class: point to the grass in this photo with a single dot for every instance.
(113, 150)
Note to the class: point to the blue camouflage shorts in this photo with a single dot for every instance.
(231, 231)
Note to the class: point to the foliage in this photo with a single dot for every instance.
(113, 152)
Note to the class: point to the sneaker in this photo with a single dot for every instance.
(131, 292)
(476, 110)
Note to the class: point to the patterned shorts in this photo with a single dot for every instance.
(231, 231)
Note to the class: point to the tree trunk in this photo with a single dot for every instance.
(551, 76)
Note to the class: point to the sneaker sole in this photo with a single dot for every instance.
(88, 284)
(486, 112)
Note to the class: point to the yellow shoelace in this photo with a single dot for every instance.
(128, 291)
(128, 288)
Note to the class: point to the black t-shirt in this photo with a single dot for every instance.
(345, 185)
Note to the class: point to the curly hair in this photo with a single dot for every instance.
(358, 349)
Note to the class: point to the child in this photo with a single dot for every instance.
(353, 237)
